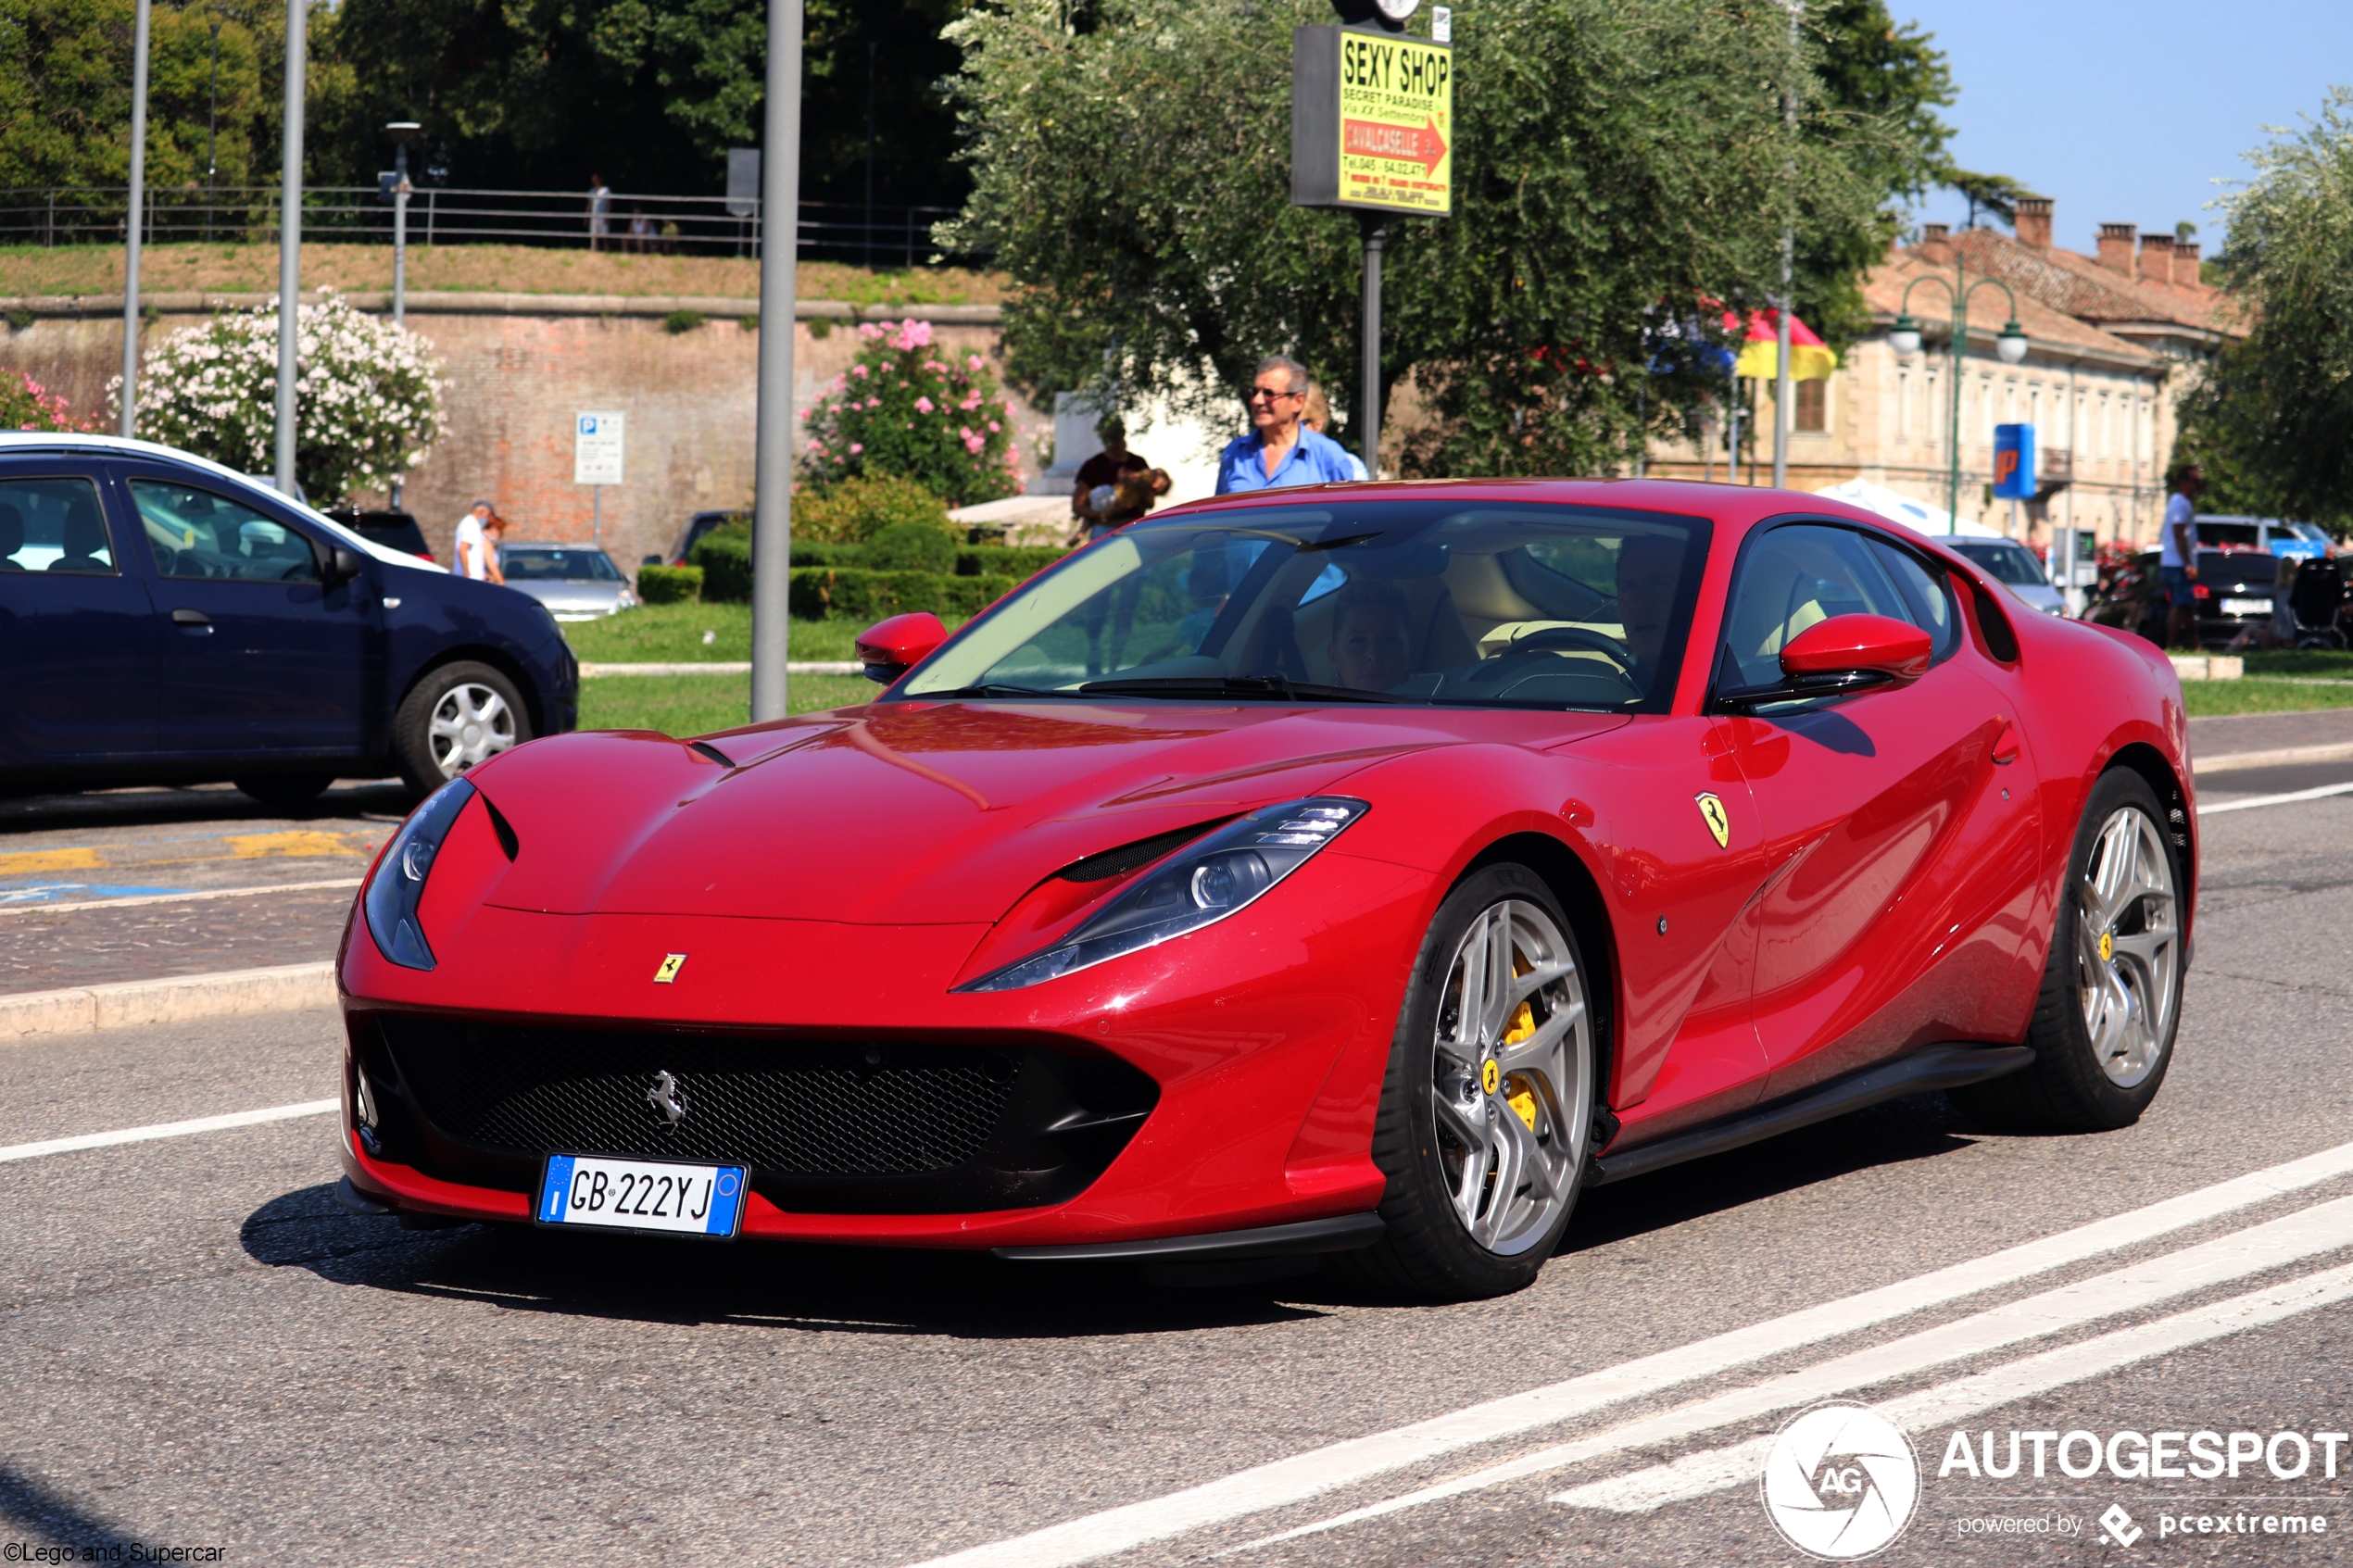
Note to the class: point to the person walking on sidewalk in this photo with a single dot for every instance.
(1318, 417)
(1280, 451)
(2177, 558)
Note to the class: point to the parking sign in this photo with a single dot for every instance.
(595, 447)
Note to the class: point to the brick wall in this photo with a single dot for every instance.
(515, 380)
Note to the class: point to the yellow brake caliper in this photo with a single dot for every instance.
(1522, 1099)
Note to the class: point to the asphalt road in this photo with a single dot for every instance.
(202, 1350)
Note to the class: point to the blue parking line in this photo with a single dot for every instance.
(50, 892)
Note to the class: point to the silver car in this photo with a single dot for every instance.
(575, 582)
(2014, 566)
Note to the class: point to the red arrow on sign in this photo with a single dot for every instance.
(1369, 138)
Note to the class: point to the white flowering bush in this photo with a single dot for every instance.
(367, 396)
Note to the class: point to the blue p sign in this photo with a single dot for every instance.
(2014, 462)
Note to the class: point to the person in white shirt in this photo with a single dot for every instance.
(471, 554)
(2177, 557)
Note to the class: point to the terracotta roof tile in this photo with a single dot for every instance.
(2046, 327)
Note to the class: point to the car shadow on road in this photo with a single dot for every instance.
(157, 807)
(35, 1518)
(828, 1289)
(1916, 1127)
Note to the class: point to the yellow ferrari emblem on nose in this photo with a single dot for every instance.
(1711, 812)
(1490, 1075)
(670, 964)
(2108, 947)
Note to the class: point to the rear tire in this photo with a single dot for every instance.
(453, 718)
(2111, 998)
(1487, 1111)
(286, 792)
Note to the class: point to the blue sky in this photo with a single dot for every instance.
(2128, 112)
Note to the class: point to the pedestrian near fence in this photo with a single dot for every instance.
(599, 212)
(2177, 558)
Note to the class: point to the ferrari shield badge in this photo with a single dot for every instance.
(670, 964)
(1711, 812)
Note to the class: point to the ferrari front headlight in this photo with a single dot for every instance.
(1198, 885)
(399, 885)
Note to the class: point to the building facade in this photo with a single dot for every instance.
(2115, 338)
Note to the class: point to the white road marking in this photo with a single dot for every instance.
(2252, 801)
(168, 1130)
(1302, 1477)
(1697, 1475)
(2324, 1228)
(178, 898)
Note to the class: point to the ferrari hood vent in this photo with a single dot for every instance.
(1116, 862)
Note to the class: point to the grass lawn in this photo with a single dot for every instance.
(2258, 695)
(243, 268)
(674, 633)
(696, 705)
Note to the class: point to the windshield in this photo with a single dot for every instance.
(1426, 602)
(2004, 562)
(537, 563)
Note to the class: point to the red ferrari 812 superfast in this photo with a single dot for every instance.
(1357, 871)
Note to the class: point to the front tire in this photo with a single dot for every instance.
(1487, 1110)
(2111, 999)
(454, 717)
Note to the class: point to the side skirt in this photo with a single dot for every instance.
(1931, 1067)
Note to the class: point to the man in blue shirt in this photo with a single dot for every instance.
(1280, 450)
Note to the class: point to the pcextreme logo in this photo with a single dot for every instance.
(1841, 1482)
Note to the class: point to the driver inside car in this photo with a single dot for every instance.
(1648, 569)
(1369, 637)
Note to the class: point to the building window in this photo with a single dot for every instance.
(1813, 405)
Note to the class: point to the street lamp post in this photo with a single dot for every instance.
(400, 131)
(212, 132)
(137, 214)
(2010, 347)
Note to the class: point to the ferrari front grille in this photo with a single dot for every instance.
(766, 1104)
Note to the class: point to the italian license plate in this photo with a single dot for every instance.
(642, 1194)
(2247, 606)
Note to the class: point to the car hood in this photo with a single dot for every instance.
(920, 813)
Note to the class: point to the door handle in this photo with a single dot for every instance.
(2005, 747)
(190, 618)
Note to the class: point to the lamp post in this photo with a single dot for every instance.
(212, 132)
(1905, 338)
(290, 246)
(137, 214)
(400, 131)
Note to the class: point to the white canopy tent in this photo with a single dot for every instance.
(1919, 516)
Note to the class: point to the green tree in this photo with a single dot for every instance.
(1618, 162)
(2272, 421)
(1997, 194)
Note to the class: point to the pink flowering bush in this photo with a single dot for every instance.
(910, 409)
(25, 404)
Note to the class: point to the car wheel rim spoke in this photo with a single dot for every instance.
(470, 724)
(1513, 1014)
(2128, 948)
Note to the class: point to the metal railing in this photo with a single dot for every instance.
(632, 221)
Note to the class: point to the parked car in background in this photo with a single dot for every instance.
(691, 534)
(2233, 593)
(575, 582)
(165, 619)
(398, 530)
(2269, 534)
(2014, 566)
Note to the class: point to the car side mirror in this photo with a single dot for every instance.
(340, 565)
(1853, 652)
(889, 648)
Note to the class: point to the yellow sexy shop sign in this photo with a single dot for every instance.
(1372, 121)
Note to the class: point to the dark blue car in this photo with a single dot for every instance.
(164, 619)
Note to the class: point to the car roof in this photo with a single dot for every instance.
(41, 441)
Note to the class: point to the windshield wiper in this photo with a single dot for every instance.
(1281, 688)
(988, 688)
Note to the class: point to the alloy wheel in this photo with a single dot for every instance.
(2128, 946)
(1511, 1098)
(471, 723)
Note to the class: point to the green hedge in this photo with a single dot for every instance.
(821, 590)
(669, 585)
(832, 579)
